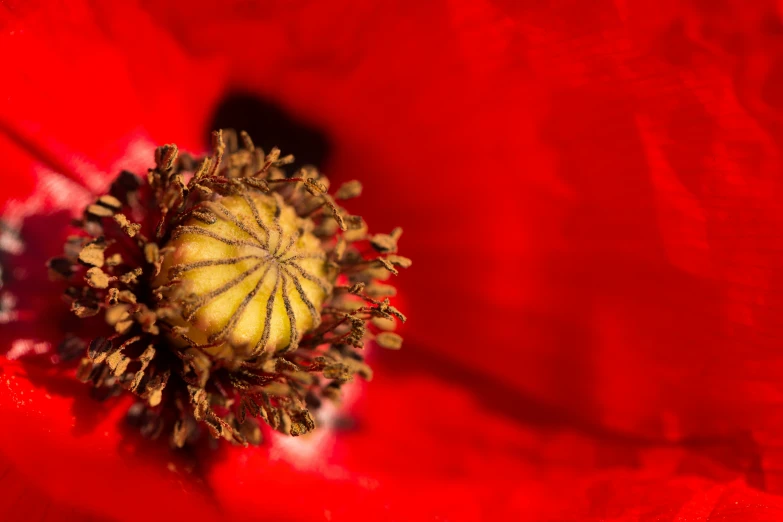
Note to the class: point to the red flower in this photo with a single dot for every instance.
(590, 194)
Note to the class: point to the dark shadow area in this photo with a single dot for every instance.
(269, 126)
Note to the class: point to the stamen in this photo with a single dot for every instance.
(183, 309)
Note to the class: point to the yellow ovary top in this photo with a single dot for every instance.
(252, 278)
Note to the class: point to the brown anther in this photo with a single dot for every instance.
(60, 268)
(112, 297)
(83, 310)
(383, 243)
(383, 323)
(377, 290)
(151, 253)
(129, 228)
(349, 190)
(110, 202)
(126, 296)
(259, 184)
(131, 277)
(314, 187)
(354, 223)
(400, 261)
(387, 265)
(114, 260)
(97, 278)
(92, 254)
(389, 340)
(165, 157)
(99, 211)
(301, 423)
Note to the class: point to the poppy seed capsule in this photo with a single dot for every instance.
(250, 275)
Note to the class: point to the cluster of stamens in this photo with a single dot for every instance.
(229, 292)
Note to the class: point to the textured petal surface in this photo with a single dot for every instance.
(455, 459)
(94, 83)
(590, 193)
(76, 454)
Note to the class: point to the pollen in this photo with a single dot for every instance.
(226, 294)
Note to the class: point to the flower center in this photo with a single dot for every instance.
(255, 278)
(229, 292)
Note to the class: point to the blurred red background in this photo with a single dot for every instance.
(590, 192)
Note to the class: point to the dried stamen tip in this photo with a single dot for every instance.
(232, 293)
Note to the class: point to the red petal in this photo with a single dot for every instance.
(590, 193)
(94, 86)
(73, 452)
(423, 449)
(591, 200)
(23, 500)
(433, 109)
(21, 183)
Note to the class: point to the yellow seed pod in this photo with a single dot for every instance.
(248, 276)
